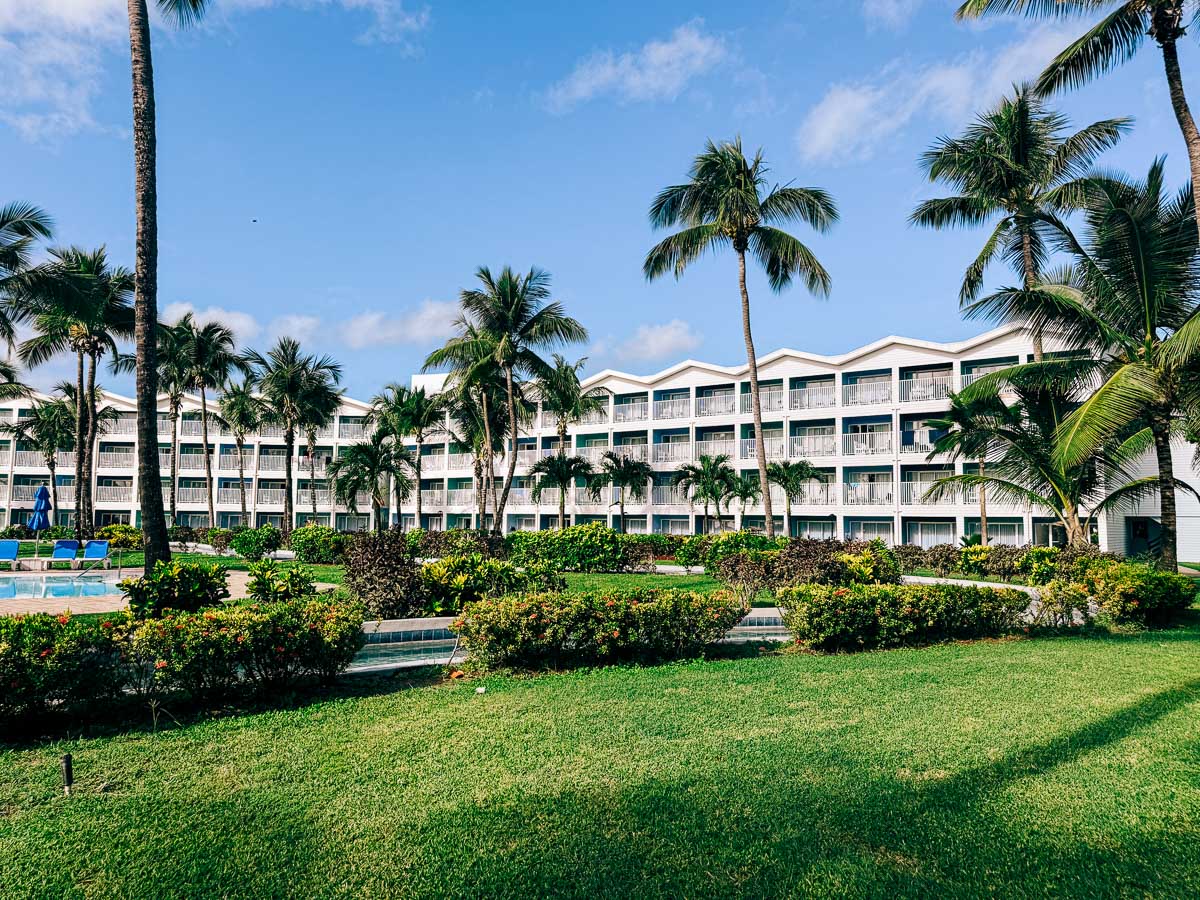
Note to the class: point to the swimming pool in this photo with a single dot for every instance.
(38, 586)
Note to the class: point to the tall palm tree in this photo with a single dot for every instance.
(145, 149)
(726, 203)
(512, 319)
(1113, 40)
(1130, 301)
(212, 357)
(321, 404)
(563, 395)
(560, 472)
(49, 428)
(1016, 166)
(243, 412)
(292, 383)
(76, 302)
(371, 467)
(21, 226)
(792, 477)
(401, 411)
(710, 479)
(173, 365)
(477, 421)
(628, 476)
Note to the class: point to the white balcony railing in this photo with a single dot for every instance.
(304, 497)
(191, 495)
(352, 431)
(191, 462)
(520, 496)
(460, 497)
(114, 493)
(718, 447)
(596, 417)
(867, 443)
(272, 462)
(912, 493)
(123, 425)
(548, 497)
(433, 497)
(549, 419)
(164, 460)
(676, 408)
(302, 466)
(271, 496)
(66, 494)
(585, 497)
(803, 446)
(115, 459)
(190, 427)
(674, 452)
(720, 404)
(28, 459)
(228, 462)
(668, 495)
(459, 461)
(4, 457)
(592, 454)
(817, 396)
(864, 393)
(818, 493)
(631, 412)
(771, 400)
(362, 501)
(774, 445)
(867, 493)
(271, 431)
(3, 490)
(636, 452)
(916, 440)
(231, 496)
(926, 387)
(27, 491)
(164, 425)
(433, 462)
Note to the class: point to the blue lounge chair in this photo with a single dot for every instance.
(95, 553)
(8, 553)
(64, 551)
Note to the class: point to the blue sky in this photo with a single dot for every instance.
(388, 148)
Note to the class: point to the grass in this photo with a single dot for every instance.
(581, 582)
(1040, 767)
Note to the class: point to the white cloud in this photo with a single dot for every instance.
(651, 342)
(431, 321)
(659, 70)
(890, 13)
(300, 327)
(852, 120)
(53, 53)
(243, 325)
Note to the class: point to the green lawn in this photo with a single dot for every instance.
(1065, 767)
(704, 583)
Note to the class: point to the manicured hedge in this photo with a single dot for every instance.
(455, 542)
(581, 548)
(1136, 593)
(317, 544)
(869, 617)
(709, 549)
(805, 561)
(553, 630)
(451, 583)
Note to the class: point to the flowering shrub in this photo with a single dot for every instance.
(1136, 593)
(805, 561)
(580, 548)
(867, 617)
(973, 560)
(1062, 604)
(1005, 561)
(317, 544)
(543, 630)
(182, 586)
(657, 546)
(255, 543)
(1039, 564)
(120, 537)
(382, 574)
(454, 581)
(709, 549)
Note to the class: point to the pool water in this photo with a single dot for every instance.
(37, 587)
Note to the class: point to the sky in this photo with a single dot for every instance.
(336, 170)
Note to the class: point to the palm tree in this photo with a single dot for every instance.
(968, 433)
(370, 467)
(292, 384)
(564, 397)
(723, 204)
(745, 490)
(76, 302)
(145, 149)
(320, 407)
(477, 421)
(243, 412)
(710, 480)
(512, 318)
(1115, 39)
(1017, 166)
(211, 357)
(48, 428)
(629, 477)
(10, 387)
(21, 226)
(560, 472)
(792, 477)
(402, 411)
(173, 373)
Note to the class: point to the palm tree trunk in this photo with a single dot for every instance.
(212, 513)
(1168, 525)
(240, 442)
(89, 516)
(760, 447)
(312, 472)
(154, 524)
(480, 494)
(621, 510)
(52, 466)
(377, 512)
(983, 523)
(80, 438)
(489, 459)
(497, 526)
(562, 507)
(174, 460)
(417, 471)
(787, 513)
(1183, 115)
(289, 441)
(1031, 277)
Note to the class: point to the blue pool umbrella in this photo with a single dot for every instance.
(39, 518)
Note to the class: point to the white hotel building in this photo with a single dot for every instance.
(860, 417)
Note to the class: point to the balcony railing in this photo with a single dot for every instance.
(636, 452)
(459, 461)
(27, 491)
(585, 497)
(433, 462)
(164, 460)
(631, 412)
(972, 377)
(460, 497)
(193, 495)
(867, 493)
(721, 404)
(927, 387)
(592, 454)
(352, 431)
(807, 445)
(520, 496)
(362, 502)
(775, 447)
(668, 495)
(549, 419)
(719, 447)
(912, 493)
(864, 393)
(817, 396)
(431, 497)
(271, 431)
(4, 457)
(271, 496)
(123, 425)
(191, 462)
(272, 462)
(232, 496)
(548, 497)
(164, 425)
(675, 452)
(919, 440)
(66, 494)
(596, 417)
(304, 497)
(190, 427)
(114, 493)
(228, 462)
(676, 408)
(302, 465)
(867, 443)
(29, 459)
(818, 493)
(771, 399)
(115, 459)
(3, 490)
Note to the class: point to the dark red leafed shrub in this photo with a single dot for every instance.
(383, 574)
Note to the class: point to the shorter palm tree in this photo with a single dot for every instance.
(561, 471)
(710, 480)
(371, 467)
(243, 413)
(402, 412)
(628, 476)
(49, 428)
(745, 491)
(563, 395)
(792, 477)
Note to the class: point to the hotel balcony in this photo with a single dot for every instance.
(22, 492)
(668, 495)
(587, 497)
(272, 462)
(912, 493)
(818, 493)
(596, 417)
(520, 496)
(231, 496)
(191, 462)
(677, 408)
(867, 493)
(631, 412)
(803, 446)
(192, 495)
(354, 431)
(66, 494)
(116, 459)
(164, 425)
(433, 462)
(114, 493)
(123, 425)
(867, 443)
(362, 502)
(929, 387)
(461, 497)
(301, 466)
(28, 459)
(772, 400)
(433, 497)
(271, 496)
(4, 458)
(675, 452)
(718, 447)
(3, 490)
(228, 462)
(775, 447)
(460, 461)
(271, 431)
(190, 427)
(867, 393)
(720, 404)
(548, 497)
(821, 396)
(304, 497)
(918, 440)
(164, 460)
(636, 452)
(592, 454)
